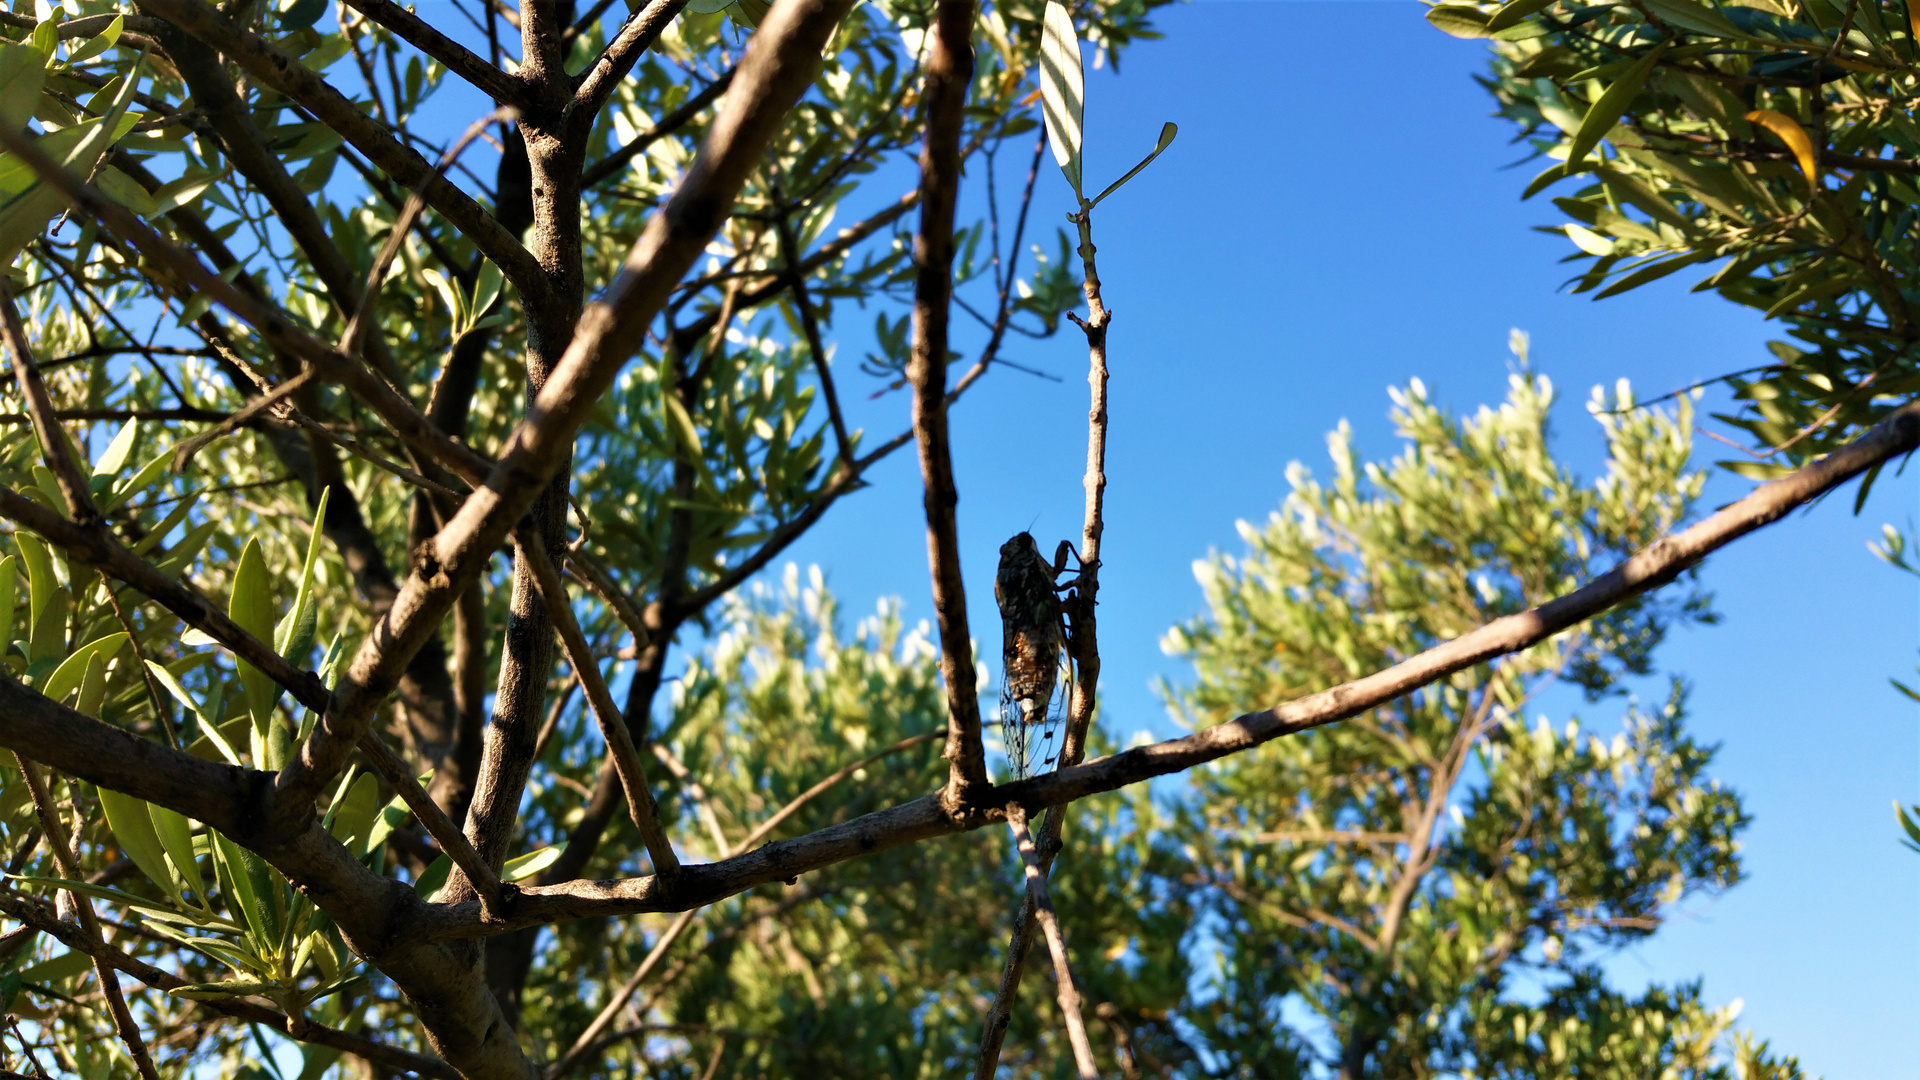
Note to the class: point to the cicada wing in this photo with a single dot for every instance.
(1013, 733)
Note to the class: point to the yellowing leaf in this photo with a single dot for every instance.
(1789, 131)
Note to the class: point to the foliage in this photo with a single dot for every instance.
(1769, 141)
(1406, 875)
(268, 426)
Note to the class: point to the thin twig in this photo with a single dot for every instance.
(567, 1061)
(55, 448)
(1069, 996)
(613, 726)
(66, 858)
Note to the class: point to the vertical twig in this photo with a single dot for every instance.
(66, 858)
(613, 727)
(1083, 644)
(1056, 943)
(54, 446)
(949, 72)
(581, 1045)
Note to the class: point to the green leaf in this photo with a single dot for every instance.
(222, 991)
(78, 149)
(1756, 470)
(99, 43)
(140, 481)
(525, 866)
(251, 607)
(355, 817)
(176, 836)
(132, 827)
(1063, 90)
(1513, 11)
(1908, 825)
(9, 596)
(235, 955)
(1610, 106)
(1460, 20)
(434, 876)
(126, 191)
(1167, 133)
(302, 14)
(114, 458)
(1651, 272)
(1698, 18)
(93, 687)
(251, 887)
(40, 578)
(293, 636)
(23, 72)
(66, 678)
(57, 970)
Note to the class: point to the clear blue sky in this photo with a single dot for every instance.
(1334, 219)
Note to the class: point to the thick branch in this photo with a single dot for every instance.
(376, 914)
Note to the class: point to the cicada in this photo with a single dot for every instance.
(1033, 635)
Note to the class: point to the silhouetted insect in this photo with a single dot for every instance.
(1033, 630)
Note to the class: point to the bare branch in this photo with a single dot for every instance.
(576, 1054)
(626, 758)
(503, 88)
(1042, 899)
(949, 72)
(611, 165)
(636, 36)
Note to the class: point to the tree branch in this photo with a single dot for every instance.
(1042, 900)
(60, 842)
(949, 73)
(779, 64)
(503, 88)
(626, 759)
(636, 36)
(282, 73)
(611, 165)
(1651, 567)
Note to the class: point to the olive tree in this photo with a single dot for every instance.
(304, 463)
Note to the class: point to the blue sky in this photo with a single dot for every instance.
(1333, 220)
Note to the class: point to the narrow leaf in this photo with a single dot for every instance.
(132, 827)
(1062, 90)
(1789, 131)
(1167, 133)
(1610, 106)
